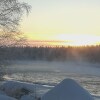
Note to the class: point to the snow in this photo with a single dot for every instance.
(16, 86)
(18, 89)
(96, 97)
(68, 89)
(4, 97)
(13, 85)
(27, 97)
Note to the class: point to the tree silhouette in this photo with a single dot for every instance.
(11, 12)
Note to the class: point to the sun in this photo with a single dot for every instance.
(78, 39)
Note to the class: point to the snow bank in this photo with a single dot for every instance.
(68, 89)
(27, 97)
(13, 85)
(18, 89)
(4, 97)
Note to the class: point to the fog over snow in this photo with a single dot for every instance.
(71, 67)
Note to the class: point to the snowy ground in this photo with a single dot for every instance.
(12, 90)
(52, 73)
(46, 75)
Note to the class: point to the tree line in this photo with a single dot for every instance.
(88, 53)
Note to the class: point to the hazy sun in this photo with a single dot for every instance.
(78, 39)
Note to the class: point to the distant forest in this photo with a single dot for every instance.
(88, 53)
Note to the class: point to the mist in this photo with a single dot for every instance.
(85, 68)
(81, 60)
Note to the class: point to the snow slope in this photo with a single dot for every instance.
(16, 88)
(27, 97)
(68, 89)
(4, 97)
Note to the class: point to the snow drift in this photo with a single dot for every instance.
(68, 89)
(23, 90)
(4, 97)
(27, 97)
(17, 89)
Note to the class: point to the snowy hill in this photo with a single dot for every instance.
(68, 89)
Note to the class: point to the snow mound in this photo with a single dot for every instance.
(17, 89)
(68, 89)
(4, 97)
(27, 97)
(13, 85)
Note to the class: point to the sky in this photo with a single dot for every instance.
(77, 22)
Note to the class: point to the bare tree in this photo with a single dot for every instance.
(11, 12)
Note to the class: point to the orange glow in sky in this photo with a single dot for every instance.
(77, 22)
